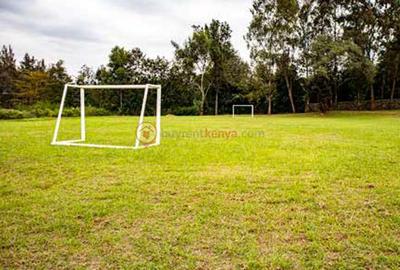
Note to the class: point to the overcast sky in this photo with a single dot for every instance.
(83, 31)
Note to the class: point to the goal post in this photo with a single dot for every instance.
(234, 107)
(81, 141)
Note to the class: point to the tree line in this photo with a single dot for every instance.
(302, 52)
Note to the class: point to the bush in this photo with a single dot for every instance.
(27, 114)
(43, 109)
(11, 114)
(93, 111)
(192, 110)
(71, 112)
(40, 109)
(39, 112)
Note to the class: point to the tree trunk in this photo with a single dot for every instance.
(393, 90)
(335, 95)
(202, 106)
(394, 83)
(269, 97)
(269, 104)
(216, 102)
(383, 88)
(307, 107)
(203, 94)
(335, 83)
(373, 103)
(290, 92)
(120, 100)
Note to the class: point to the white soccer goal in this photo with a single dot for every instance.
(242, 106)
(141, 126)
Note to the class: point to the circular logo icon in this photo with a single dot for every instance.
(147, 133)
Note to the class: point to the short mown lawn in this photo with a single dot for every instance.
(285, 191)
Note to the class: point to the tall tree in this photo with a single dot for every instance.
(221, 50)
(58, 77)
(390, 26)
(391, 59)
(361, 25)
(86, 76)
(237, 74)
(264, 83)
(326, 55)
(8, 75)
(208, 54)
(272, 33)
(325, 16)
(32, 85)
(28, 63)
(196, 58)
(306, 34)
(116, 72)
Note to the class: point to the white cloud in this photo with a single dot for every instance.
(83, 32)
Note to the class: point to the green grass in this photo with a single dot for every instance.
(314, 192)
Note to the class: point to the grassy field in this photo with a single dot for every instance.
(283, 192)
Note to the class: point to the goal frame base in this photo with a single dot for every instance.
(77, 144)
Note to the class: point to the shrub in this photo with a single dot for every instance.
(43, 109)
(40, 109)
(71, 112)
(192, 110)
(93, 111)
(27, 114)
(46, 112)
(11, 114)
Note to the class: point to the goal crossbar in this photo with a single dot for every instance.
(81, 141)
(136, 86)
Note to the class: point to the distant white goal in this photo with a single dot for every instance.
(235, 107)
(141, 125)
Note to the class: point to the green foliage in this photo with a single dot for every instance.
(58, 77)
(11, 114)
(94, 111)
(193, 110)
(272, 38)
(195, 58)
(71, 112)
(8, 75)
(301, 52)
(209, 61)
(46, 109)
(32, 85)
(43, 112)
